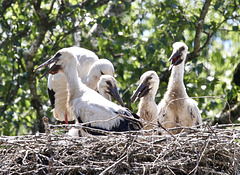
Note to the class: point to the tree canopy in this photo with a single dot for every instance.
(136, 36)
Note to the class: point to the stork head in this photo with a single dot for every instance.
(149, 83)
(58, 60)
(108, 85)
(99, 68)
(179, 54)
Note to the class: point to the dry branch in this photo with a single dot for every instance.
(198, 151)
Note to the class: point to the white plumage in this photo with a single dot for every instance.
(97, 69)
(176, 108)
(107, 87)
(146, 92)
(88, 105)
(89, 67)
(57, 90)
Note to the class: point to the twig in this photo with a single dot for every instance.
(23, 161)
(135, 153)
(196, 167)
(161, 126)
(113, 165)
(170, 170)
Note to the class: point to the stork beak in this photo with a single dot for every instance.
(176, 59)
(114, 93)
(54, 69)
(141, 91)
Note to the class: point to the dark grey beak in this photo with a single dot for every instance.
(54, 69)
(114, 93)
(141, 91)
(176, 59)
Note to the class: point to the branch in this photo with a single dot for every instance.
(199, 27)
(35, 102)
(95, 26)
(224, 117)
(28, 57)
(113, 165)
(112, 9)
(4, 6)
(235, 104)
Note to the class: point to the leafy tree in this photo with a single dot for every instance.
(135, 36)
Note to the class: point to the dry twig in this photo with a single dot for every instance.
(199, 151)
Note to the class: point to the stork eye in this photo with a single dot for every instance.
(181, 49)
(58, 54)
(148, 78)
(109, 83)
(102, 73)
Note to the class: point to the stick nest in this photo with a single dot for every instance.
(210, 150)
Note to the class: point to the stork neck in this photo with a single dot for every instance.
(70, 70)
(92, 82)
(105, 95)
(176, 78)
(149, 97)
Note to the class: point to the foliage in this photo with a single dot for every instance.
(135, 36)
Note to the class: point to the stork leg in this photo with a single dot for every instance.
(66, 119)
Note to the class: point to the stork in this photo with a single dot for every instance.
(176, 109)
(107, 87)
(85, 103)
(97, 69)
(57, 83)
(146, 92)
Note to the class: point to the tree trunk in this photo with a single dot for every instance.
(35, 101)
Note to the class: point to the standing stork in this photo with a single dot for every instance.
(85, 103)
(146, 92)
(176, 109)
(57, 83)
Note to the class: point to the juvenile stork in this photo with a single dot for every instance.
(87, 61)
(85, 103)
(146, 92)
(176, 109)
(97, 69)
(107, 87)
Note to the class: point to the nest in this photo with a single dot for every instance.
(210, 150)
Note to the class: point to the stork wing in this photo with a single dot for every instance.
(195, 113)
(51, 94)
(104, 114)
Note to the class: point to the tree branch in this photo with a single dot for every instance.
(235, 105)
(35, 102)
(224, 117)
(199, 27)
(45, 24)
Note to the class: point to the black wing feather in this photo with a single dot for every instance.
(51, 95)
